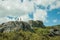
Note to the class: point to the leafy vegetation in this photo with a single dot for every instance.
(40, 34)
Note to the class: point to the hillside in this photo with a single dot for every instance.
(15, 30)
(17, 25)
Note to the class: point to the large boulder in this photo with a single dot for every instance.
(54, 32)
(36, 23)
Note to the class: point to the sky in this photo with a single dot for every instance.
(47, 11)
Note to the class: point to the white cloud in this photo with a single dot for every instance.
(2, 20)
(55, 20)
(48, 2)
(47, 21)
(18, 8)
(40, 15)
(58, 13)
(24, 18)
(57, 5)
(44, 2)
(15, 7)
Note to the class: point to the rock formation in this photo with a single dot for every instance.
(36, 23)
(17, 25)
(54, 32)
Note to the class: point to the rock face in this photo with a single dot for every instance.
(15, 25)
(36, 23)
(54, 32)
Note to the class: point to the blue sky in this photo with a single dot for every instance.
(53, 17)
(47, 11)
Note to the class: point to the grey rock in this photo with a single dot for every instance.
(36, 23)
(15, 26)
(54, 32)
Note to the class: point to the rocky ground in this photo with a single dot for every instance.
(31, 30)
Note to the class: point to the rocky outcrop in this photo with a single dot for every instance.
(36, 23)
(54, 32)
(15, 26)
